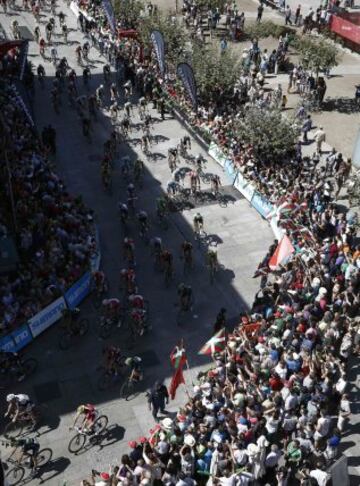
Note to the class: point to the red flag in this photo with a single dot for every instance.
(215, 344)
(178, 360)
(282, 253)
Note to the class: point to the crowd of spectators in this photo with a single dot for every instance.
(53, 231)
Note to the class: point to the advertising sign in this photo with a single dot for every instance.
(47, 317)
(78, 291)
(21, 336)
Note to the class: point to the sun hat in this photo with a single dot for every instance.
(189, 440)
(167, 423)
(132, 444)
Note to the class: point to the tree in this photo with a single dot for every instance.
(215, 72)
(271, 133)
(317, 54)
(176, 38)
(129, 12)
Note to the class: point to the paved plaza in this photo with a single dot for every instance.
(67, 378)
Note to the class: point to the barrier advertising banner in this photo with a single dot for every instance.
(261, 204)
(78, 291)
(243, 186)
(47, 317)
(22, 337)
(217, 154)
(7, 344)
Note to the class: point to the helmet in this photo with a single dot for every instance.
(128, 361)
(105, 301)
(10, 397)
(137, 359)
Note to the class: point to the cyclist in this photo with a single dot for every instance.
(142, 107)
(128, 109)
(128, 277)
(41, 73)
(137, 317)
(194, 181)
(167, 262)
(135, 365)
(215, 183)
(145, 143)
(138, 170)
(20, 406)
(106, 72)
(198, 222)
(86, 76)
(65, 31)
(78, 52)
(124, 213)
(99, 93)
(185, 296)
(111, 309)
(112, 355)
(136, 301)
(29, 449)
(172, 188)
(129, 250)
(199, 161)
(89, 413)
(100, 282)
(212, 261)
(69, 317)
(172, 158)
(143, 221)
(186, 249)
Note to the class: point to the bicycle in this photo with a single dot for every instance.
(108, 379)
(79, 440)
(18, 428)
(128, 388)
(78, 330)
(23, 368)
(16, 474)
(106, 324)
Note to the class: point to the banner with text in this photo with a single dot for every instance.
(78, 291)
(47, 316)
(159, 47)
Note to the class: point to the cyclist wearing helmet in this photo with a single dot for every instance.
(111, 308)
(198, 223)
(185, 296)
(124, 212)
(89, 414)
(20, 406)
(29, 449)
(112, 355)
(135, 365)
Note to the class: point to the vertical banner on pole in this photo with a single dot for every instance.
(186, 74)
(159, 47)
(109, 12)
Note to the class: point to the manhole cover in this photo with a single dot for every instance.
(47, 391)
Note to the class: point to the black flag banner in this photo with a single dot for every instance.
(159, 46)
(186, 74)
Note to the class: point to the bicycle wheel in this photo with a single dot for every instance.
(65, 341)
(100, 424)
(13, 429)
(125, 389)
(15, 475)
(83, 326)
(43, 457)
(76, 443)
(104, 381)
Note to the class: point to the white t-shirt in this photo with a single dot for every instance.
(323, 426)
(321, 476)
(230, 481)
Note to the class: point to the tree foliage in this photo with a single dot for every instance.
(271, 133)
(317, 54)
(261, 30)
(215, 71)
(128, 12)
(175, 36)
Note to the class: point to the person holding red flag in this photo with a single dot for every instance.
(178, 360)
